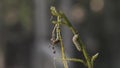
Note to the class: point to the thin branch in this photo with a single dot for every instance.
(83, 47)
(62, 45)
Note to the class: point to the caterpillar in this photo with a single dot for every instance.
(75, 42)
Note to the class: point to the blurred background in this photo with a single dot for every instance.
(25, 32)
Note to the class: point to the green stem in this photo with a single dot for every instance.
(67, 22)
(75, 60)
(83, 47)
(61, 17)
(62, 48)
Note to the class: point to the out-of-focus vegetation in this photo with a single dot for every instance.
(16, 32)
(25, 32)
(15, 11)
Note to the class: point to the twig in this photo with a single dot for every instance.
(62, 44)
(83, 47)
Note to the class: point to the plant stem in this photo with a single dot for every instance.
(62, 47)
(62, 19)
(83, 47)
(74, 60)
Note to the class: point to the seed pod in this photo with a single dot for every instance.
(76, 43)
